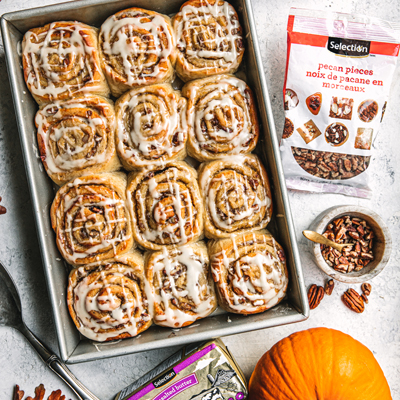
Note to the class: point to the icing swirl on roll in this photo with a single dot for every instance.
(209, 39)
(77, 137)
(249, 271)
(221, 116)
(151, 126)
(179, 288)
(60, 60)
(108, 302)
(236, 195)
(90, 218)
(137, 48)
(165, 205)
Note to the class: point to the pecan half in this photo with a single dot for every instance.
(353, 301)
(329, 285)
(315, 295)
(366, 288)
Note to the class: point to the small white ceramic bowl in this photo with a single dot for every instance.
(382, 246)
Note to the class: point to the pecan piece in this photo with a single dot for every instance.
(329, 285)
(366, 288)
(315, 295)
(365, 298)
(353, 301)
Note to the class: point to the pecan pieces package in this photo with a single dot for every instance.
(338, 75)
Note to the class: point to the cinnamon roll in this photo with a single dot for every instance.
(165, 206)
(222, 117)
(179, 285)
(151, 126)
(236, 195)
(137, 48)
(76, 137)
(249, 271)
(209, 39)
(90, 218)
(61, 60)
(108, 301)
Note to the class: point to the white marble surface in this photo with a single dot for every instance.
(378, 327)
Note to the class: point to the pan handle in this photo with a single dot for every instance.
(57, 366)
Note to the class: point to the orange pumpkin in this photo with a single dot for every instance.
(318, 364)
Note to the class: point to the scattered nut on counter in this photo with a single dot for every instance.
(351, 230)
(353, 301)
(329, 285)
(315, 295)
(3, 210)
(39, 394)
(366, 288)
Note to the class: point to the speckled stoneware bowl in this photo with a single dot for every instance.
(382, 246)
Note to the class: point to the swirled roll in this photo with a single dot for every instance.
(180, 289)
(165, 206)
(236, 195)
(209, 39)
(108, 301)
(91, 220)
(61, 60)
(137, 48)
(222, 117)
(151, 127)
(249, 272)
(76, 137)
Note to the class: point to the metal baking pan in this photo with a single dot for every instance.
(73, 347)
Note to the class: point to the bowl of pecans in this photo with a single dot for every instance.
(369, 243)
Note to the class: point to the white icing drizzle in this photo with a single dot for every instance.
(166, 214)
(234, 194)
(108, 302)
(151, 127)
(136, 46)
(207, 35)
(74, 140)
(175, 285)
(257, 274)
(93, 223)
(219, 116)
(60, 60)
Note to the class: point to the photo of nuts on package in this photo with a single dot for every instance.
(339, 69)
(364, 138)
(309, 131)
(368, 110)
(341, 108)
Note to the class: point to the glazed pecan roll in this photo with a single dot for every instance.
(108, 301)
(236, 195)
(209, 39)
(151, 126)
(222, 117)
(77, 137)
(137, 48)
(61, 60)
(90, 218)
(180, 288)
(165, 205)
(249, 271)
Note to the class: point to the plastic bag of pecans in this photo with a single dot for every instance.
(338, 75)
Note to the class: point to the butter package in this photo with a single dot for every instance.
(205, 371)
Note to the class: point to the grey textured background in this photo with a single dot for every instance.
(378, 327)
